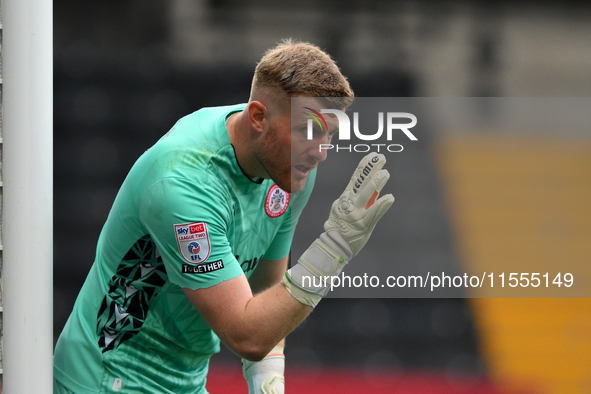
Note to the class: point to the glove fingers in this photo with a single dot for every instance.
(380, 207)
(371, 158)
(367, 167)
(372, 188)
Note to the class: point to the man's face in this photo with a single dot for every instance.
(286, 153)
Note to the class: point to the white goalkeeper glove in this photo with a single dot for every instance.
(266, 376)
(353, 216)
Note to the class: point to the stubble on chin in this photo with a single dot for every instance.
(283, 180)
(266, 152)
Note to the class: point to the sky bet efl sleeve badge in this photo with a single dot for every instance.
(276, 202)
(193, 241)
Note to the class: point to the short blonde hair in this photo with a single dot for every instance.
(295, 67)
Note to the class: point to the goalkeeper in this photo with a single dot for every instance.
(195, 247)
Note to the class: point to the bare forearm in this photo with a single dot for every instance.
(267, 274)
(249, 326)
(268, 318)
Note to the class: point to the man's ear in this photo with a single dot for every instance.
(257, 115)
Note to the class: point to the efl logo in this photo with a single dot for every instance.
(193, 241)
(392, 124)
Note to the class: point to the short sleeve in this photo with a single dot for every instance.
(282, 242)
(189, 224)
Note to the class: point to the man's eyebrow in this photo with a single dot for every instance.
(299, 124)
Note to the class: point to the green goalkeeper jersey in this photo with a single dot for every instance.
(186, 216)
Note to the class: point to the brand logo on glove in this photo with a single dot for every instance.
(364, 173)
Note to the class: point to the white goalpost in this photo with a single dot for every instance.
(27, 211)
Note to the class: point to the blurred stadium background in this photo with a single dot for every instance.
(126, 70)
